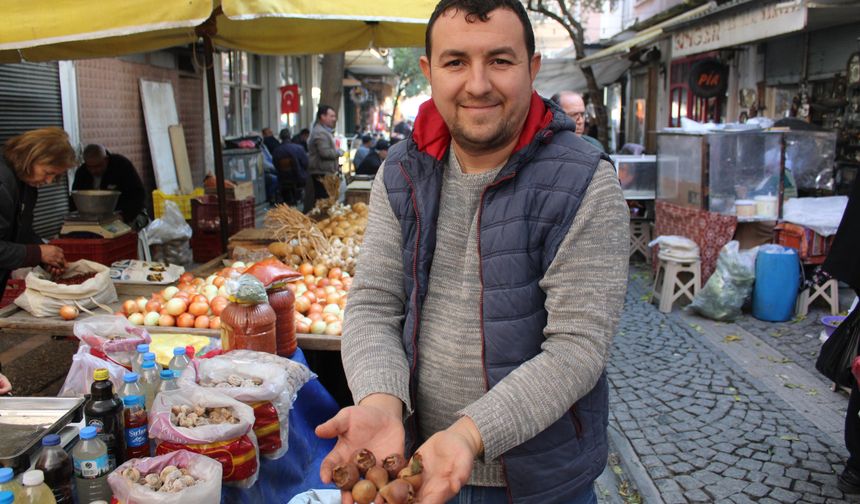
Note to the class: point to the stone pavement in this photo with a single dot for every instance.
(714, 412)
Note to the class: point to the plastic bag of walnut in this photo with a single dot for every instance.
(261, 386)
(178, 477)
(207, 422)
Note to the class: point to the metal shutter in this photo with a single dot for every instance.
(29, 99)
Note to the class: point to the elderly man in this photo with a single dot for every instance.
(574, 106)
(103, 169)
(489, 283)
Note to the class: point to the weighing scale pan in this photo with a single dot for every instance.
(24, 421)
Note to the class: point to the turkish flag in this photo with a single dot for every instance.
(290, 99)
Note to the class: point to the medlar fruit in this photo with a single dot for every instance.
(364, 492)
(364, 459)
(398, 492)
(412, 472)
(393, 464)
(345, 476)
(377, 475)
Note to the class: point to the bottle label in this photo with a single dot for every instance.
(93, 468)
(136, 436)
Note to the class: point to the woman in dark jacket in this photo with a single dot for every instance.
(843, 263)
(29, 160)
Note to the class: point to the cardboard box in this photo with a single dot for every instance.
(241, 191)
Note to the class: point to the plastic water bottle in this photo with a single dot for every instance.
(35, 489)
(149, 382)
(6, 497)
(136, 436)
(168, 381)
(142, 349)
(180, 359)
(150, 356)
(91, 467)
(8, 482)
(57, 466)
(131, 386)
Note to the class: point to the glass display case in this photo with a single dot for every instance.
(743, 173)
(638, 176)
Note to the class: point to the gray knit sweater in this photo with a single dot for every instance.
(585, 288)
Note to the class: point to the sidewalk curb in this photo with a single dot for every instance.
(633, 467)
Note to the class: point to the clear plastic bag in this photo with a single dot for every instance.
(270, 400)
(203, 468)
(80, 376)
(297, 373)
(724, 294)
(111, 334)
(170, 227)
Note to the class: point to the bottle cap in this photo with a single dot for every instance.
(149, 356)
(166, 374)
(179, 351)
(101, 374)
(7, 497)
(33, 478)
(88, 432)
(6, 474)
(130, 377)
(143, 347)
(148, 364)
(132, 400)
(51, 440)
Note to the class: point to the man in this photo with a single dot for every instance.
(490, 280)
(105, 170)
(574, 106)
(402, 130)
(291, 161)
(371, 163)
(323, 155)
(301, 138)
(269, 140)
(363, 150)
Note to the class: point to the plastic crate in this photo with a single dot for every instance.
(183, 200)
(101, 250)
(811, 246)
(14, 288)
(205, 216)
(205, 246)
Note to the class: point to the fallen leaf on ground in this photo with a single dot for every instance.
(731, 338)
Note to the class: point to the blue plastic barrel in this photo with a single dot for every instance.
(777, 279)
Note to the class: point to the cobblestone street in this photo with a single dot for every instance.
(714, 412)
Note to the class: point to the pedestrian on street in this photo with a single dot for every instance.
(323, 155)
(291, 161)
(490, 281)
(371, 163)
(29, 160)
(843, 263)
(363, 150)
(574, 106)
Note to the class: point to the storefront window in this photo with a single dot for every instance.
(683, 103)
(241, 79)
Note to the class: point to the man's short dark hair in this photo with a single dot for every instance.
(323, 110)
(304, 131)
(365, 139)
(479, 10)
(284, 134)
(382, 145)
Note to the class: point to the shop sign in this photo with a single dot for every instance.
(709, 78)
(758, 23)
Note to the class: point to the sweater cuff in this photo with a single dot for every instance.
(33, 256)
(391, 383)
(495, 423)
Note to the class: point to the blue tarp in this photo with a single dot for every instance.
(298, 470)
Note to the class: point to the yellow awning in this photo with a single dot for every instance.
(646, 36)
(42, 30)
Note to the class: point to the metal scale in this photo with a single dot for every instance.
(80, 225)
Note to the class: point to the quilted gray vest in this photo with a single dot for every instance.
(522, 218)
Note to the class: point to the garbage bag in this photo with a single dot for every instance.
(728, 288)
(170, 227)
(838, 352)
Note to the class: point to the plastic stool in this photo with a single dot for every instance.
(829, 291)
(670, 287)
(640, 236)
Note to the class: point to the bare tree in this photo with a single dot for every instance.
(331, 83)
(410, 79)
(564, 13)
